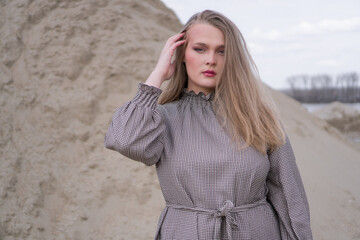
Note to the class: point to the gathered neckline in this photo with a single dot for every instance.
(201, 95)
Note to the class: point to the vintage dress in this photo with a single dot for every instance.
(212, 191)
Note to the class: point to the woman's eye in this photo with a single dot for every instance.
(222, 52)
(198, 49)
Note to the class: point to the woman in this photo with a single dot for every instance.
(225, 166)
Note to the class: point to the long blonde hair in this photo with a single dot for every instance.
(241, 105)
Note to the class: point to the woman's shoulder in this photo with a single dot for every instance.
(167, 109)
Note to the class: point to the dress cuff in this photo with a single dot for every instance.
(147, 96)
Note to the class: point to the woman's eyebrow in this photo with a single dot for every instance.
(205, 45)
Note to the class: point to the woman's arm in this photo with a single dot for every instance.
(287, 194)
(136, 130)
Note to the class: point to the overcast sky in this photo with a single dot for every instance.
(289, 37)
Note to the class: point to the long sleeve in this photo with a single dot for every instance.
(137, 128)
(287, 194)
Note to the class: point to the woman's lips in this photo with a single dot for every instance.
(209, 73)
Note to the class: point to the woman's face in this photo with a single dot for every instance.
(204, 57)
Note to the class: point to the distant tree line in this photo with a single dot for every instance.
(322, 88)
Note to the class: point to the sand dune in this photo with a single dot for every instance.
(65, 67)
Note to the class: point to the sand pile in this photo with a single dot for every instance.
(65, 67)
(336, 110)
(345, 118)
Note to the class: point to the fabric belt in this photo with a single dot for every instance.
(224, 211)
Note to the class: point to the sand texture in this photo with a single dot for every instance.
(65, 66)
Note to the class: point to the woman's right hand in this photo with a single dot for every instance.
(164, 68)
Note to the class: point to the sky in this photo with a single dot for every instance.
(287, 37)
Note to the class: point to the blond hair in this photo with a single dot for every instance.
(241, 105)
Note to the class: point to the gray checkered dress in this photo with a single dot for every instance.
(211, 190)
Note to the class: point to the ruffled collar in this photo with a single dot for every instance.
(201, 96)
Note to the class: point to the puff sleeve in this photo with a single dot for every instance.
(136, 130)
(287, 194)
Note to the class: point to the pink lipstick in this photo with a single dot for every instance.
(209, 73)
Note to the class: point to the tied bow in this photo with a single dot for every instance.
(222, 213)
(225, 211)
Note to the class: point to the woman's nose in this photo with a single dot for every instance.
(211, 59)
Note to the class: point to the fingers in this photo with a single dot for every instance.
(174, 39)
(171, 44)
(178, 43)
(164, 66)
(175, 42)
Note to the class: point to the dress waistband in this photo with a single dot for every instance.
(224, 211)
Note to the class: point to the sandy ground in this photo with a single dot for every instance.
(65, 67)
